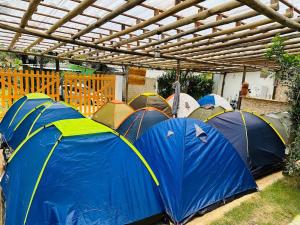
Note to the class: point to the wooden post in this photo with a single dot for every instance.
(57, 64)
(41, 63)
(243, 80)
(274, 89)
(223, 83)
(126, 84)
(178, 70)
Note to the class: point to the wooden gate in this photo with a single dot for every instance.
(88, 92)
(15, 84)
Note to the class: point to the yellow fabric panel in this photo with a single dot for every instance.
(36, 96)
(112, 114)
(81, 126)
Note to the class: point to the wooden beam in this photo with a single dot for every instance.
(104, 48)
(118, 11)
(272, 14)
(157, 17)
(184, 21)
(33, 4)
(76, 11)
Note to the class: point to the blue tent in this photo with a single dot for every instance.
(41, 116)
(215, 101)
(257, 141)
(74, 172)
(139, 121)
(18, 110)
(196, 166)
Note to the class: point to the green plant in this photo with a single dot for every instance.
(10, 60)
(196, 85)
(289, 73)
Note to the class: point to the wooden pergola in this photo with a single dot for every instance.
(200, 35)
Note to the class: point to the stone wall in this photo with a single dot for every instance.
(263, 106)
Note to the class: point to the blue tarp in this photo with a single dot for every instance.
(89, 179)
(42, 116)
(139, 121)
(196, 165)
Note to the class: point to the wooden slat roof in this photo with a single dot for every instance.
(204, 35)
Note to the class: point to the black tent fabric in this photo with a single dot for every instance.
(258, 142)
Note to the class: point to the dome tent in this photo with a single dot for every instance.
(187, 104)
(196, 165)
(203, 113)
(215, 100)
(282, 123)
(73, 175)
(41, 116)
(139, 121)
(112, 113)
(19, 109)
(151, 100)
(256, 139)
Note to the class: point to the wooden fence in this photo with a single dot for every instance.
(86, 93)
(15, 84)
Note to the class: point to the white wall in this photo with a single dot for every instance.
(218, 79)
(118, 88)
(260, 87)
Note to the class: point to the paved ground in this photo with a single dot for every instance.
(219, 212)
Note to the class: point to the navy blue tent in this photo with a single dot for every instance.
(196, 166)
(256, 140)
(77, 171)
(18, 110)
(139, 121)
(41, 116)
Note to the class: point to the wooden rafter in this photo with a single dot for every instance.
(33, 4)
(217, 38)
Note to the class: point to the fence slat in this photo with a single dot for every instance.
(85, 92)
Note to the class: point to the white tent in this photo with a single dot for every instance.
(187, 104)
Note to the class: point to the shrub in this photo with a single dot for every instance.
(196, 85)
(289, 73)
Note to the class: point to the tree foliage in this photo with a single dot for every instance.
(10, 60)
(289, 73)
(194, 85)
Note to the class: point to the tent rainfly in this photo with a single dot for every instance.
(203, 113)
(196, 165)
(257, 141)
(214, 100)
(187, 104)
(39, 117)
(71, 172)
(18, 110)
(112, 113)
(151, 100)
(139, 121)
